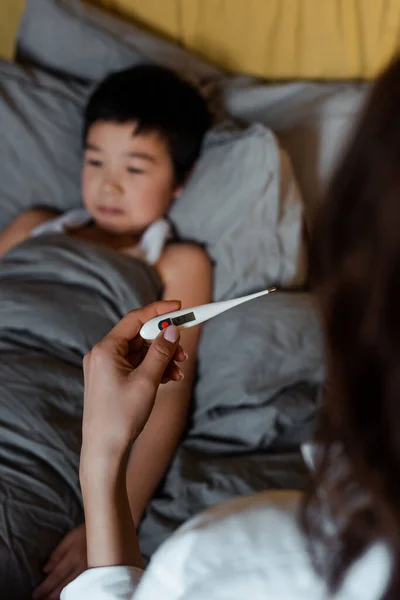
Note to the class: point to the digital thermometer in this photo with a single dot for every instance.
(190, 317)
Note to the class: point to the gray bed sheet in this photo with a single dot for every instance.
(254, 400)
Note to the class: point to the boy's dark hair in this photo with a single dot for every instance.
(158, 100)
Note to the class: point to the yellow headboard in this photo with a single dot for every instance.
(330, 39)
(10, 14)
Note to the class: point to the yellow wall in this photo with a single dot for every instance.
(270, 38)
(278, 38)
(10, 13)
(160, 15)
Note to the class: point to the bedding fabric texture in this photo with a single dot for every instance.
(312, 122)
(242, 201)
(57, 299)
(41, 145)
(254, 401)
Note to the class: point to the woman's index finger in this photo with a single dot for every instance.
(130, 325)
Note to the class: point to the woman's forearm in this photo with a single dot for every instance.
(110, 531)
(121, 381)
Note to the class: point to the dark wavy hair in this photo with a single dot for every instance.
(355, 269)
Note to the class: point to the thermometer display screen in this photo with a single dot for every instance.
(183, 319)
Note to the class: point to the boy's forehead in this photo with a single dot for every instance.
(125, 136)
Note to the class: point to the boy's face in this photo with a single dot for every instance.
(127, 179)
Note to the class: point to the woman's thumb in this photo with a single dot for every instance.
(160, 354)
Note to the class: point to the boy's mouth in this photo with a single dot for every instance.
(110, 210)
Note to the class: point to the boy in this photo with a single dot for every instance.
(143, 131)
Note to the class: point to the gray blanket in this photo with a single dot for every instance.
(58, 298)
(254, 400)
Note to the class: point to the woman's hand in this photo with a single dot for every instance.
(122, 375)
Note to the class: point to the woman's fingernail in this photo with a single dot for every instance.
(171, 334)
(186, 355)
(181, 375)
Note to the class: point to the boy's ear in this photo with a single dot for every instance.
(179, 188)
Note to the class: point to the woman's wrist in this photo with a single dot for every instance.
(110, 530)
(109, 446)
(102, 468)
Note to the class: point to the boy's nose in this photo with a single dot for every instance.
(112, 185)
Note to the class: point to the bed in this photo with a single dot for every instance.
(256, 396)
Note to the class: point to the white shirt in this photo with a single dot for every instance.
(150, 246)
(249, 548)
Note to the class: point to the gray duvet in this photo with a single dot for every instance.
(254, 401)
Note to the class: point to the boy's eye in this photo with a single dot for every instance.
(134, 170)
(94, 163)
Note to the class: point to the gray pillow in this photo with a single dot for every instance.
(270, 366)
(241, 202)
(40, 150)
(312, 121)
(81, 41)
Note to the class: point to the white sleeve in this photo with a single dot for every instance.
(104, 583)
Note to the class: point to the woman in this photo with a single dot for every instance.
(343, 539)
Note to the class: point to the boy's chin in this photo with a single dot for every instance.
(118, 228)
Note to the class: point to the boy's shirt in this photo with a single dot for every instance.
(150, 246)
